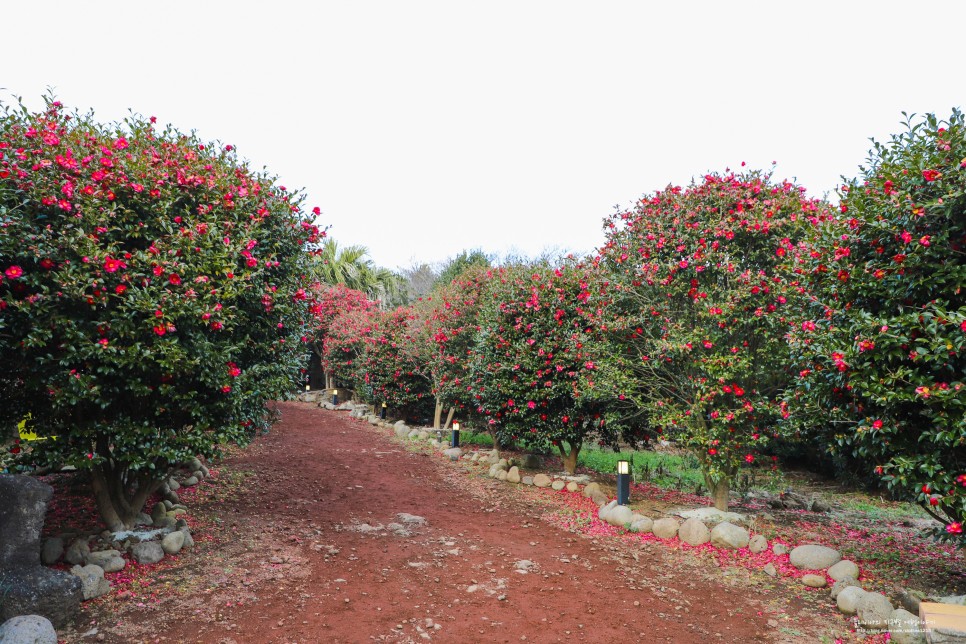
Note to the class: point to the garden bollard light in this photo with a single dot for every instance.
(382, 414)
(308, 387)
(456, 435)
(335, 396)
(623, 482)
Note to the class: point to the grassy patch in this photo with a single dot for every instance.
(661, 469)
(476, 438)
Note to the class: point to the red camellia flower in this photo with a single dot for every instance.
(174, 278)
(954, 528)
(13, 272)
(712, 451)
(225, 389)
(111, 265)
(877, 424)
(160, 329)
(749, 458)
(933, 500)
(120, 288)
(233, 370)
(930, 175)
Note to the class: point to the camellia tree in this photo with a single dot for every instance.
(327, 303)
(881, 349)
(542, 373)
(441, 339)
(150, 300)
(699, 312)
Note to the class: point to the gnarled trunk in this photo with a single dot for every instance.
(118, 501)
(719, 490)
(569, 459)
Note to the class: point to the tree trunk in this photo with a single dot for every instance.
(719, 491)
(118, 505)
(438, 414)
(449, 417)
(569, 460)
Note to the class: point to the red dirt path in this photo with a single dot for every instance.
(285, 565)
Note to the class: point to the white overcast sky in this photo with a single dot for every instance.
(425, 128)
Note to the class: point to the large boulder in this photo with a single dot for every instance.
(542, 480)
(108, 560)
(905, 628)
(620, 516)
(28, 629)
(643, 524)
(666, 528)
(730, 536)
(26, 587)
(757, 544)
(848, 599)
(147, 552)
(693, 532)
(874, 611)
(841, 585)
(814, 557)
(513, 476)
(844, 569)
(173, 542)
(605, 510)
(92, 579)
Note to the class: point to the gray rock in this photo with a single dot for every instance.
(770, 570)
(591, 489)
(711, 516)
(558, 485)
(779, 549)
(573, 487)
(172, 542)
(620, 516)
(844, 569)
(411, 519)
(494, 468)
(101, 557)
(527, 480)
(604, 511)
(493, 456)
(666, 528)
(904, 628)
(513, 476)
(841, 585)
(158, 512)
(956, 600)
(757, 544)
(910, 600)
(189, 542)
(77, 551)
(542, 480)
(814, 557)
(167, 523)
(453, 453)
(28, 629)
(873, 611)
(413, 433)
(27, 587)
(191, 481)
(173, 497)
(815, 581)
(198, 474)
(168, 505)
(401, 430)
(143, 519)
(173, 484)
(693, 532)
(729, 535)
(644, 524)
(501, 475)
(599, 498)
(848, 599)
(531, 462)
(147, 552)
(52, 551)
(92, 579)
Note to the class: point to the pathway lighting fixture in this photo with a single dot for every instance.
(456, 435)
(308, 387)
(623, 482)
(335, 396)
(382, 414)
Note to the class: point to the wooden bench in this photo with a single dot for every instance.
(943, 622)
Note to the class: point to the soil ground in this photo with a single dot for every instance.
(297, 547)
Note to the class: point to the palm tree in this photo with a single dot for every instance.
(351, 267)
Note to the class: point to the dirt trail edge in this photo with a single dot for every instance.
(324, 544)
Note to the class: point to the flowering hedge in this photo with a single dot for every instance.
(541, 372)
(880, 350)
(150, 298)
(327, 303)
(700, 312)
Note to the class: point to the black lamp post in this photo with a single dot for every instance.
(623, 482)
(335, 396)
(456, 435)
(382, 414)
